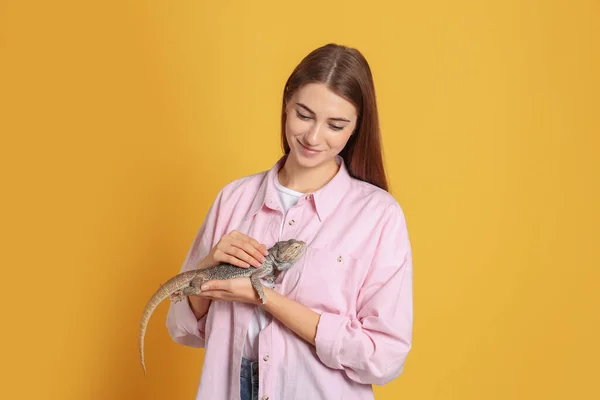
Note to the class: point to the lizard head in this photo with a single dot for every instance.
(287, 252)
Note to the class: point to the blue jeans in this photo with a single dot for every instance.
(249, 380)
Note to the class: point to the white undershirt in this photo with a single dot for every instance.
(260, 318)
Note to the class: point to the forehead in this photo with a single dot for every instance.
(323, 101)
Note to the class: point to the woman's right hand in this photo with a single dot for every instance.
(237, 249)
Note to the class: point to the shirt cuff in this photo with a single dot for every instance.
(183, 325)
(328, 339)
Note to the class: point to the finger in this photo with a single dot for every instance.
(234, 247)
(233, 260)
(242, 255)
(256, 244)
(213, 295)
(237, 249)
(222, 257)
(218, 295)
(251, 251)
(259, 246)
(216, 285)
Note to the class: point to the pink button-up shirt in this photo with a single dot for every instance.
(356, 273)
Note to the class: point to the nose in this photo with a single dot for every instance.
(313, 136)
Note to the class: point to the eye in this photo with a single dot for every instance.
(302, 116)
(336, 128)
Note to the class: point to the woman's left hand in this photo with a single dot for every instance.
(297, 317)
(237, 289)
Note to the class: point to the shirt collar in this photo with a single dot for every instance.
(325, 199)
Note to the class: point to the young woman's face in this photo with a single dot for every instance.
(318, 124)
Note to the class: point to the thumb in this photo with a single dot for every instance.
(214, 285)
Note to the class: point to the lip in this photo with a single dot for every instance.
(308, 151)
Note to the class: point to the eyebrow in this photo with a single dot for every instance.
(312, 112)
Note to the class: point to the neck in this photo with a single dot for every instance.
(270, 259)
(306, 180)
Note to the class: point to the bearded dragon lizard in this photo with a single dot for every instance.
(281, 257)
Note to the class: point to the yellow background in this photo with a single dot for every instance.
(121, 120)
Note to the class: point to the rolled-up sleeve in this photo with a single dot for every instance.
(181, 322)
(372, 346)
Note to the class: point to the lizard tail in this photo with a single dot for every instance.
(174, 284)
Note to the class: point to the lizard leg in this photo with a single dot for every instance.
(176, 297)
(197, 282)
(257, 284)
(190, 290)
(179, 295)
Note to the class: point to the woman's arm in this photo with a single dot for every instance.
(299, 318)
(371, 346)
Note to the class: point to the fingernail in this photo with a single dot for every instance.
(204, 287)
(262, 259)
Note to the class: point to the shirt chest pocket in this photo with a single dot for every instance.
(329, 280)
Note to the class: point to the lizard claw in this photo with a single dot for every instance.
(175, 297)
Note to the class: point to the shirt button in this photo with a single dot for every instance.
(266, 357)
(292, 222)
(265, 397)
(340, 259)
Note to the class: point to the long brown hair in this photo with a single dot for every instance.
(346, 72)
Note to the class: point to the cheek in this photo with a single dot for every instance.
(294, 126)
(338, 141)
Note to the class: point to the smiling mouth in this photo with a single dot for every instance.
(316, 151)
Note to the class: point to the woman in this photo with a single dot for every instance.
(341, 318)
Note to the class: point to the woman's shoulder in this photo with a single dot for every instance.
(244, 184)
(376, 197)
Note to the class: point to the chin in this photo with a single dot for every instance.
(309, 161)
